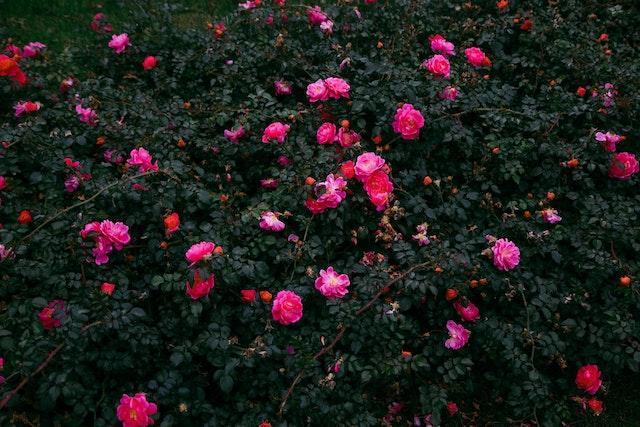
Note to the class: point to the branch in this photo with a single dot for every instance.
(40, 367)
(343, 329)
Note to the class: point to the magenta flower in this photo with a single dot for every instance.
(276, 131)
(449, 93)
(346, 137)
(200, 288)
(331, 191)
(440, 45)
(506, 255)
(135, 411)
(332, 284)
(609, 140)
(25, 107)
(623, 166)
(282, 87)
(140, 157)
(119, 42)
(200, 251)
(470, 313)
(32, 49)
(86, 115)
(269, 221)
(234, 135)
(317, 91)
(107, 236)
(51, 316)
(326, 133)
(287, 308)
(337, 87)
(407, 122)
(366, 164)
(316, 16)
(438, 65)
(551, 216)
(477, 57)
(458, 336)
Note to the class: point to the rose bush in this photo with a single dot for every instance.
(282, 218)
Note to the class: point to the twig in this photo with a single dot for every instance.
(40, 367)
(343, 329)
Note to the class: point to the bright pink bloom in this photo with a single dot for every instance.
(608, 140)
(200, 251)
(623, 166)
(477, 57)
(287, 308)
(284, 161)
(107, 288)
(317, 91)
(506, 255)
(452, 408)
(438, 65)
(32, 49)
(71, 183)
(470, 313)
(551, 216)
(107, 236)
(135, 411)
(331, 191)
(458, 336)
(200, 288)
(282, 87)
(450, 93)
(588, 379)
(119, 42)
(332, 284)
(140, 157)
(234, 135)
(269, 183)
(316, 16)
(440, 45)
(269, 221)
(337, 87)
(407, 122)
(327, 26)
(87, 115)
(3, 182)
(116, 232)
(149, 63)
(379, 187)
(25, 107)
(276, 131)
(326, 133)
(347, 137)
(51, 316)
(249, 4)
(366, 164)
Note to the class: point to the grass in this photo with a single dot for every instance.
(60, 23)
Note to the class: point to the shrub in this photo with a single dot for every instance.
(455, 245)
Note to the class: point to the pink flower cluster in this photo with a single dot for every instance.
(135, 411)
(407, 122)
(329, 88)
(332, 284)
(140, 157)
(119, 42)
(107, 236)
(371, 171)
(87, 115)
(327, 133)
(276, 131)
(317, 17)
(269, 221)
(287, 308)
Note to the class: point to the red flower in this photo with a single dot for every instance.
(171, 223)
(527, 25)
(200, 288)
(24, 217)
(347, 169)
(9, 68)
(248, 295)
(107, 288)
(581, 91)
(452, 407)
(588, 378)
(451, 294)
(149, 63)
(51, 316)
(596, 406)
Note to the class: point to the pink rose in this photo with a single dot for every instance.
(200, 251)
(315, 15)
(282, 87)
(135, 411)
(276, 131)
(3, 182)
(337, 87)
(551, 216)
(477, 57)
(326, 133)
(331, 191)
(269, 221)
(140, 157)
(366, 164)
(609, 140)
(317, 91)
(287, 308)
(346, 137)
(470, 313)
(87, 115)
(332, 284)
(378, 187)
(449, 93)
(119, 42)
(24, 107)
(623, 166)
(149, 63)
(458, 336)
(506, 255)
(438, 65)
(107, 288)
(440, 45)
(234, 135)
(407, 122)
(200, 288)
(51, 316)
(116, 232)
